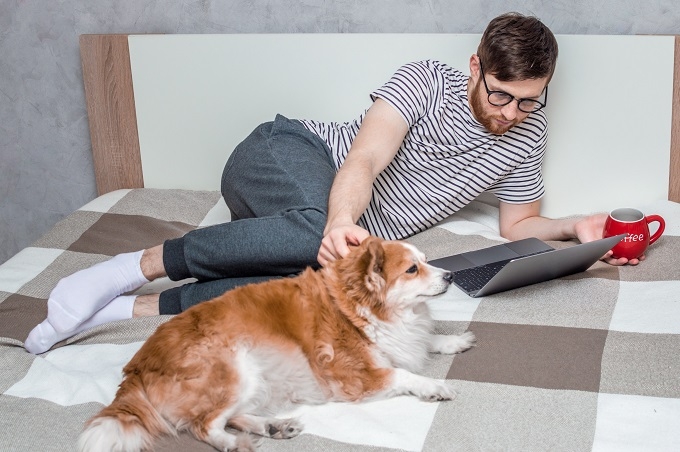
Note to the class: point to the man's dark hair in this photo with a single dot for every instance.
(517, 47)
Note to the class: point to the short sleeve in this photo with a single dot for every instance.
(414, 90)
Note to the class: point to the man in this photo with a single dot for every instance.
(301, 192)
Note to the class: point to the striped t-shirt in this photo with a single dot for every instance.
(447, 158)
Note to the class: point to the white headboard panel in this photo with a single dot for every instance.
(609, 112)
(197, 96)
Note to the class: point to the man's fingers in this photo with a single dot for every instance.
(336, 244)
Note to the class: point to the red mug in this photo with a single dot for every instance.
(635, 224)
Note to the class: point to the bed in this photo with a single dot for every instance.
(586, 362)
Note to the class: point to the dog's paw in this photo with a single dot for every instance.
(467, 340)
(449, 345)
(284, 428)
(435, 391)
(244, 443)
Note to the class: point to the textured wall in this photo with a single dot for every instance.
(45, 162)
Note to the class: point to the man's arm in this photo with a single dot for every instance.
(520, 221)
(380, 136)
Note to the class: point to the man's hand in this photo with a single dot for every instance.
(336, 242)
(519, 221)
(590, 228)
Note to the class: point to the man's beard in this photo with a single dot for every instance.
(487, 120)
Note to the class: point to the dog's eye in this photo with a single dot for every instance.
(412, 269)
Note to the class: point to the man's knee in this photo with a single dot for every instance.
(313, 219)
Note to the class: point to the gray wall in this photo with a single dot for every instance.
(45, 163)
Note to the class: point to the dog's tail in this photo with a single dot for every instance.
(130, 423)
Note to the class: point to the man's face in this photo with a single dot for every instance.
(499, 120)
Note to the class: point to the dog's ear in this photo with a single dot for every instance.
(361, 271)
(372, 262)
(362, 280)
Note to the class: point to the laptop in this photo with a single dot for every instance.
(520, 263)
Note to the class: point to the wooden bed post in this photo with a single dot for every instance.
(111, 112)
(674, 171)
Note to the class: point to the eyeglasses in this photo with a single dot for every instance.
(501, 98)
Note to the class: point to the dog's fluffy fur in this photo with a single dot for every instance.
(354, 330)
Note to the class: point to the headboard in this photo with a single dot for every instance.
(166, 110)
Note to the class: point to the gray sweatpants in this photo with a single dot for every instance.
(276, 185)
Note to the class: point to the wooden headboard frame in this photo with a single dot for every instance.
(113, 123)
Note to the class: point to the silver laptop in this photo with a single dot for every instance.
(520, 263)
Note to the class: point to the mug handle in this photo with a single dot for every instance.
(659, 231)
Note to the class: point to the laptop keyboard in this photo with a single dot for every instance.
(474, 278)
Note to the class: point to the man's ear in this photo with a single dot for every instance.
(474, 66)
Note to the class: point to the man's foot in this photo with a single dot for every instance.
(79, 296)
(44, 336)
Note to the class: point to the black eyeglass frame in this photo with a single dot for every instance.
(489, 92)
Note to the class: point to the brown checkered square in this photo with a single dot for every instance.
(114, 234)
(532, 355)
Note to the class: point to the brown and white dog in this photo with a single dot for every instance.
(354, 330)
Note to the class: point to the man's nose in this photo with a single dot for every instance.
(510, 111)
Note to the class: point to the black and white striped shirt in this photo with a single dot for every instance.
(447, 158)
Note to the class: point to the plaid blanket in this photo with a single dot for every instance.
(587, 362)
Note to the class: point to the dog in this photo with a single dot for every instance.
(354, 330)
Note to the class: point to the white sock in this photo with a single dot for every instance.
(44, 336)
(77, 297)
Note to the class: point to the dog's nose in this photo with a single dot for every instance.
(448, 277)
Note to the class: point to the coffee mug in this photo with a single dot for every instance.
(635, 224)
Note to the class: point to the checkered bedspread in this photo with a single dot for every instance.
(587, 362)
